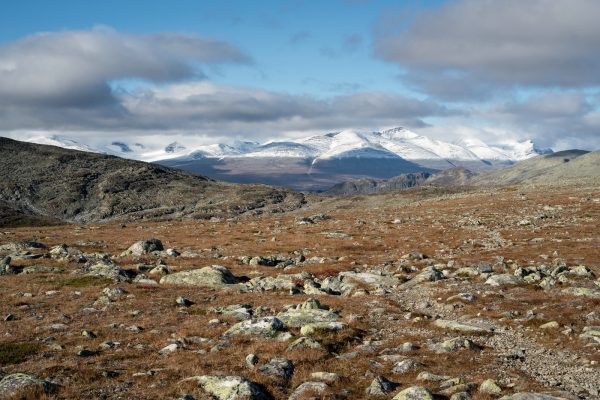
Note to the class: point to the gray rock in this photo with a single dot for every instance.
(504, 280)
(311, 311)
(380, 386)
(212, 276)
(455, 344)
(407, 365)
(414, 393)
(251, 360)
(304, 343)
(230, 387)
(312, 388)
(12, 384)
(104, 269)
(143, 247)
(278, 368)
(471, 327)
(266, 327)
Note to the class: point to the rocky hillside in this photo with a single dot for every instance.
(560, 167)
(372, 186)
(68, 185)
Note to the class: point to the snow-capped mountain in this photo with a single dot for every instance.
(392, 143)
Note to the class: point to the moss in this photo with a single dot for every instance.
(15, 353)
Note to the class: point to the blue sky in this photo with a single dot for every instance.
(450, 69)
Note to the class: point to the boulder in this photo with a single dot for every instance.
(308, 388)
(230, 387)
(278, 368)
(380, 386)
(104, 269)
(213, 276)
(143, 247)
(266, 327)
(309, 312)
(414, 393)
(12, 384)
(504, 280)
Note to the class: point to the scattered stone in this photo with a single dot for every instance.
(308, 388)
(489, 386)
(143, 247)
(183, 302)
(304, 343)
(104, 269)
(469, 327)
(13, 384)
(550, 325)
(251, 360)
(230, 387)
(213, 276)
(328, 377)
(407, 365)
(455, 344)
(380, 386)
(504, 280)
(278, 368)
(266, 327)
(414, 393)
(321, 327)
(309, 312)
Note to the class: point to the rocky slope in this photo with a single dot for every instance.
(422, 294)
(60, 184)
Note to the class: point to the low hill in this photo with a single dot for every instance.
(68, 185)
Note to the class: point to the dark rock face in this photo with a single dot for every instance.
(59, 184)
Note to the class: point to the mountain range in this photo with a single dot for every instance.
(321, 161)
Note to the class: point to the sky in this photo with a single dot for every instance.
(218, 71)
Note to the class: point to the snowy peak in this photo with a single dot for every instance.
(392, 143)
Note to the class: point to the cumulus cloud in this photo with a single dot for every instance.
(75, 68)
(208, 108)
(541, 43)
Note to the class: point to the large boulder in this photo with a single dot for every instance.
(309, 312)
(230, 387)
(143, 247)
(104, 269)
(504, 280)
(12, 384)
(265, 327)
(211, 276)
(414, 393)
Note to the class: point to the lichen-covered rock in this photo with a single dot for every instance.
(143, 247)
(471, 327)
(429, 274)
(407, 365)
(414, 393)
(504, 280)
(12, 384)
(212, 276)
(304, 343)
(309, 312)
(265, 327)
(278, 368)
(104, 269)
(380, 386)
(5, 267)
(489, 386)
(455, 344)
(308, 388)
(230, 387)
(318, 328)
(582, 291)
